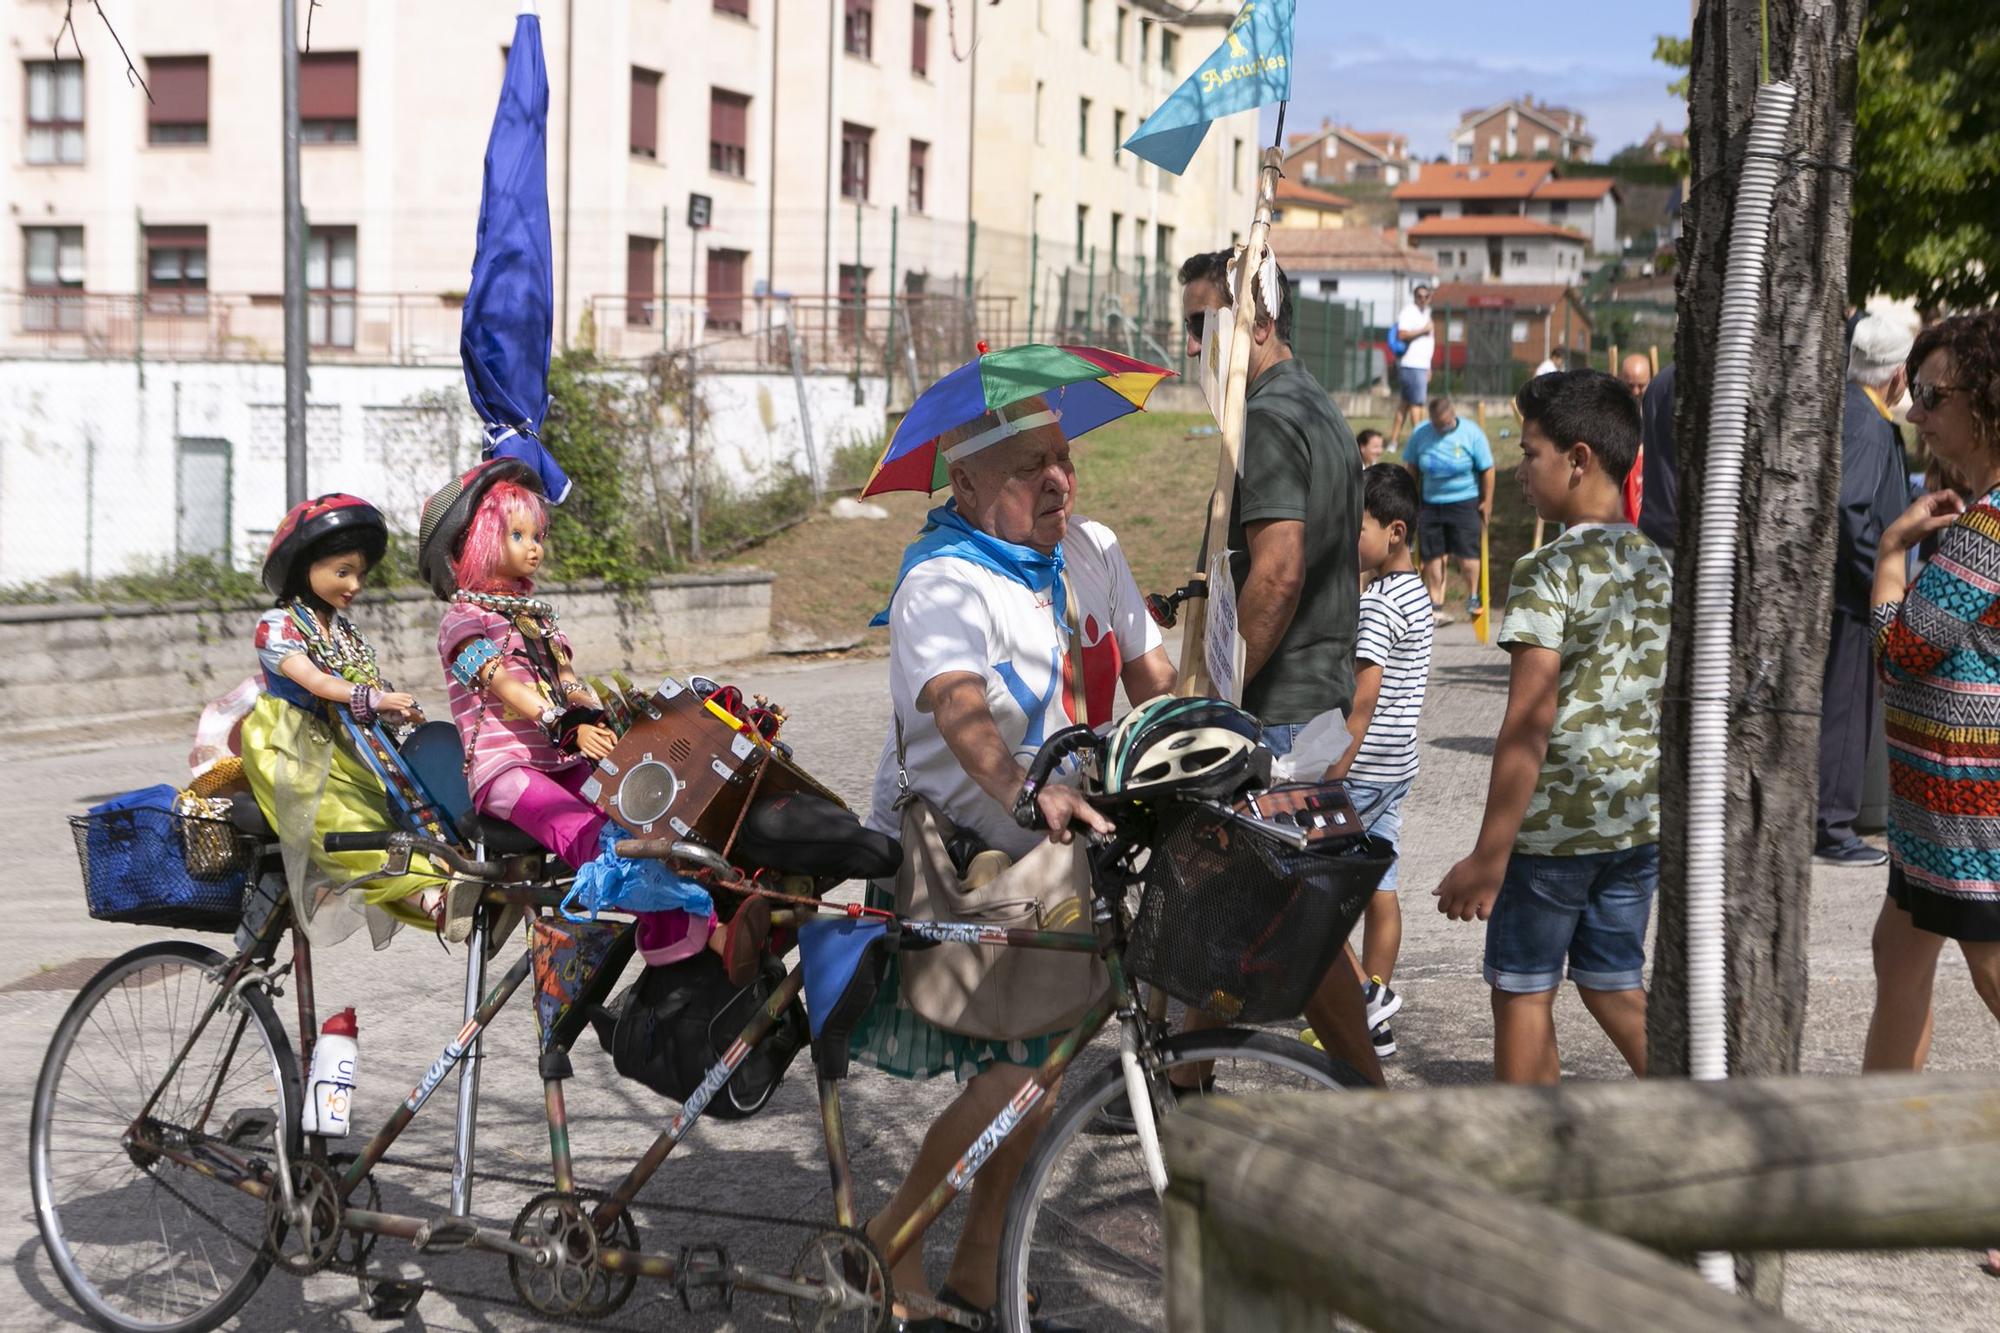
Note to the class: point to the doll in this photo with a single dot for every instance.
(532, 730)
(314, 753)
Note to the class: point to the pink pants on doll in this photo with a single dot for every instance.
(547, 808)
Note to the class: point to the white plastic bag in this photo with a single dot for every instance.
(1318, 748)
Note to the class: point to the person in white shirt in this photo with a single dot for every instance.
(1413, 368)
(980, 676)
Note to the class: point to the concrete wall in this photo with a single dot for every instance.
(93, 661)
(89, 471)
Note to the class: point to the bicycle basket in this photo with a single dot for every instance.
(1239, 924)
(136, 868)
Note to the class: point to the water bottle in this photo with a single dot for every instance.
(330, 1088)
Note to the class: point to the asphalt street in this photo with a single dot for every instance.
(772, 1166)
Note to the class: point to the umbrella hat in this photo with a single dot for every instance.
(1085, 386)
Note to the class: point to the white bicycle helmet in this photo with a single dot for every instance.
(1192, 746)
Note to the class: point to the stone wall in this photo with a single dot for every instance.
(78, 661)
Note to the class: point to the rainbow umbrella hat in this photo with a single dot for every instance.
(1087, 386)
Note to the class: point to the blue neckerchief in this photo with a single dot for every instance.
(947, 533)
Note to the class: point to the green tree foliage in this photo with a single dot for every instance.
(591, 532)
(1675, 53)
(1927, 155)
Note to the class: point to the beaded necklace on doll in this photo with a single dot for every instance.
(337, 649)
(535, 618)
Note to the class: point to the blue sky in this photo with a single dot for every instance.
(1413, 66)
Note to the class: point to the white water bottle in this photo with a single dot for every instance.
(330, 1088)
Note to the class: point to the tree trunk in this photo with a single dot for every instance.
(1785, 548)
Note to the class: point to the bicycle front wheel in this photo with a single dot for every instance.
(1084, 1230)
(139, 1240)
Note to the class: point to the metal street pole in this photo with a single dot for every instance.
(666, 244)
(295, 264)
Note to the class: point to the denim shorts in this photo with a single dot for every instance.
(1590, 910)
(1380, 805)
(1412, 384)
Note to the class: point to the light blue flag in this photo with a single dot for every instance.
(1252, 68)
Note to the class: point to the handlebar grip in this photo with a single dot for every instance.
(374, 840)
(1054, 750)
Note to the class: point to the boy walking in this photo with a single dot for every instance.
(1392, 667)
(1567, 858)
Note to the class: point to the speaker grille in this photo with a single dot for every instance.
(646, 792)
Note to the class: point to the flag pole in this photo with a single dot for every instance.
(1194, 677)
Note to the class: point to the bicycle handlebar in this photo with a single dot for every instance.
(1054, 750)
(396, 842)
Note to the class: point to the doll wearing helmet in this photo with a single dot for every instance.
(312, 741)
(532, 731)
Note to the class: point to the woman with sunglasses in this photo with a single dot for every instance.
(1937, 644)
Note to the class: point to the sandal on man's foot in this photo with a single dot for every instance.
(743, 939)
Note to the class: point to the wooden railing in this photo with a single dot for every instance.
(1531, 1209)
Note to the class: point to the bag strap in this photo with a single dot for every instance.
(1075, 651)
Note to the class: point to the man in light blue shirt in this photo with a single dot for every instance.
(1453, 465)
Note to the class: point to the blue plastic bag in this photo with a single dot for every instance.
(614, 883)
(135, 864)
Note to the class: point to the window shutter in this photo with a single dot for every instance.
(645, 112)
(180, 90)
(329, 85)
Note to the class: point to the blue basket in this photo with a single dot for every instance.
(135, 866)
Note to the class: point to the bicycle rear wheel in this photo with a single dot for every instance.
(140, 1241)
(1084, 1228)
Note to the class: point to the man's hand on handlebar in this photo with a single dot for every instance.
(1061, 806)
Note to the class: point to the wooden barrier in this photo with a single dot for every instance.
(1556, 1208)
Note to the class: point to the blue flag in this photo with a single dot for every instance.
(509, 317)
(1252, 68)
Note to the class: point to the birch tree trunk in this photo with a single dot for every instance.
(1784, 547)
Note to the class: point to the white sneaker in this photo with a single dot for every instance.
(1383, 1040)
(1383, 1003)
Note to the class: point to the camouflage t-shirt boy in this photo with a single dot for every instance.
(1600, 596)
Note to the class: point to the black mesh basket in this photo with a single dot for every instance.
(1239, 924)
(139, 867)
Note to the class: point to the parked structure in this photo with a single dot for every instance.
(1532, 190)
(1339, 153)
(1521, 127)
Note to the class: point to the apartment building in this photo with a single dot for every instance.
(1341, 153)
(1061, 84)
(1534, 190)
(1501, 249)
(1522, 127)
(782, 113)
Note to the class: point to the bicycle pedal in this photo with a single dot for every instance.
(686, 1281)
(248, 1125)
(443, 1235)
(392, 1302)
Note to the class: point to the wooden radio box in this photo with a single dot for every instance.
(687, 770)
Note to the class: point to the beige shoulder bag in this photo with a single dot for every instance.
(985, 990)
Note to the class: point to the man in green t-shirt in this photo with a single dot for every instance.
(1294, 529)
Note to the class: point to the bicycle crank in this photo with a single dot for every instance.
(305, 1239)
(564, 1276)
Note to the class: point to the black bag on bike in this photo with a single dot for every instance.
(672, 1025)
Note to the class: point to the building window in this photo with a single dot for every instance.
(853, 296)
(1086, 24)
(330, 273)
(330, 99)
(1558, 208)
(1517, 256)
(1519, 331)
(1169, 48)
(1145, 42)
(860, 28)
(1117, 137)
(54, 279)
(1117, 226)
(1236, 164)
(725, 288)
(1122, 23)
(916, 285)
(920, 41)
(1163, 245)
(920, 155)
(645, 135)
(642, 261)
(1082, 227)
(740, 8)
(176, 270)
(856, 141)
(1083, 126)
(1425, 214)
(178, 112)
(1038, 111)
(728, 132)
(55, 112)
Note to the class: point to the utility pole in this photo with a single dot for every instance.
(295, 266)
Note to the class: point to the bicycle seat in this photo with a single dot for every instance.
(499, 837)
(800, 833)
(248, 817)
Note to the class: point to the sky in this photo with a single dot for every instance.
(1414, 66)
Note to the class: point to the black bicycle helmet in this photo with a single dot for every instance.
(310, 522)
(1195, 747)
(447, 515)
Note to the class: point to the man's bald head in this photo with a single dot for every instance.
(1636, 372)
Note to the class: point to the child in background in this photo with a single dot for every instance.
(1567, 856)
(1371, 447)
(1392, 668)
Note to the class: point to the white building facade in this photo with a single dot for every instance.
(1501, 250)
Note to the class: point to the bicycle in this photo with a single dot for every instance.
(203, 1125)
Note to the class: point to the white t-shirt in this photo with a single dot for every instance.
(1418, 355)
(951, 615)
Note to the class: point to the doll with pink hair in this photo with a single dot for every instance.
(532, 731)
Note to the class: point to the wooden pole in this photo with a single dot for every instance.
(1194, 676)
(1653, 355)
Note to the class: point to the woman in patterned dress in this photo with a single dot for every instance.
(1938, 648)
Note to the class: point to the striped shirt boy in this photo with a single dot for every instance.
(1395, 635)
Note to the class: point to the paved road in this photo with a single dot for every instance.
(772, 1165)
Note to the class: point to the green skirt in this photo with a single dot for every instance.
(895, 1039)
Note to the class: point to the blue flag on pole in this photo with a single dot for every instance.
(509, 316)
(1252, 68)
